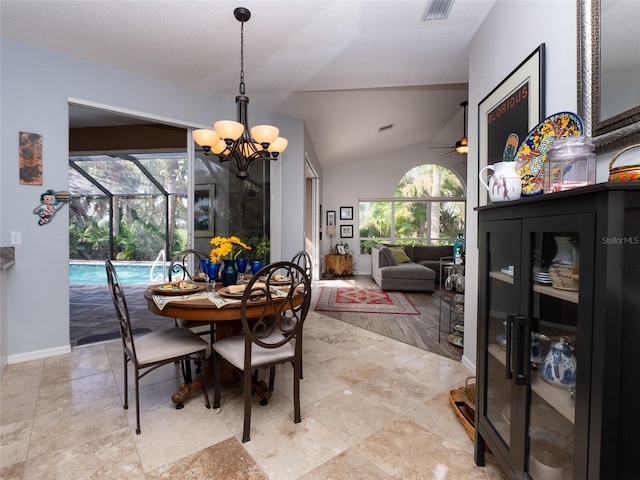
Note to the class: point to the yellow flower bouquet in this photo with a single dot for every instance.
(226, 248)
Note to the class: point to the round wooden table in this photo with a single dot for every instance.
(228, 322)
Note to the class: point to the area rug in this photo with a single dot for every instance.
(364, 299)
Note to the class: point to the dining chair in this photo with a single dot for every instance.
(152, 350)
(303, 260)
(272, 319)
(185, 265)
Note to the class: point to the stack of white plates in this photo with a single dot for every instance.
(542, 277)
(507, 270)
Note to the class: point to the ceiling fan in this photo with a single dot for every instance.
(462, 145)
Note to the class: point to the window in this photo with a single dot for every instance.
(428, 209)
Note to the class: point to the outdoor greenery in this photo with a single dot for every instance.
(140, 208)
(428, 209)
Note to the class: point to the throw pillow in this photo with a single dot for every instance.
(400, 254)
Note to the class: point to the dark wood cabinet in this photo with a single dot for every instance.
(558, 379)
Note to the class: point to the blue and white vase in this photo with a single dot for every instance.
(559, 366)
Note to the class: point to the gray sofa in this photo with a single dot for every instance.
(420, 273)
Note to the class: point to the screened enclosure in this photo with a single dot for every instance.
(131, 206)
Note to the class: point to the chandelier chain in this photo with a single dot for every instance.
(242, 89)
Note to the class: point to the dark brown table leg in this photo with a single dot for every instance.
(228, 374)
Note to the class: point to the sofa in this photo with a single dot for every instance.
(417, 270)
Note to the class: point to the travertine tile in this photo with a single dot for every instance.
(14, 443)
(372, 408)
(406, 450)
(67, 393)
(226, 460)
(287, 450)
(351, 415)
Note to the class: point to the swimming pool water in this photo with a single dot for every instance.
(95, 273)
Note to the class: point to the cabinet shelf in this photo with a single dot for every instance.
(503, 277)
(557, 397)
(566, 295)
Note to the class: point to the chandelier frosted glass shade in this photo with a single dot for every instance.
(235, 141)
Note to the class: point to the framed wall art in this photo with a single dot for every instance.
(346, 213)
(346, 231)
(515, 106)
(30, 158)
(331, 217)
(203, 217)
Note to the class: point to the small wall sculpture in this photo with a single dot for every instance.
(50, 202)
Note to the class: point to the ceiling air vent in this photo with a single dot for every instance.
(437, 10)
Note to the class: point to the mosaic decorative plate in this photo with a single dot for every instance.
(532, 152)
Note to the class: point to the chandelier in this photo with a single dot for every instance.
(235, 141)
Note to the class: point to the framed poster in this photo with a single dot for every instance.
(203, 217)
(346, 213)
(331, 217)
(30, 158)
(515, 106)
(341, 250)
(346, 231)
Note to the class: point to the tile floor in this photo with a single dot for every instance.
(373, 408)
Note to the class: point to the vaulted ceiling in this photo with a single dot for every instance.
(346, 67)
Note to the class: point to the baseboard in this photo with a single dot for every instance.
(38, 354)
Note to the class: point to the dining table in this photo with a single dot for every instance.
(208, 304)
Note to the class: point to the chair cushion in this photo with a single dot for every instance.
(400, 254)
(232, 348)
(166, 344)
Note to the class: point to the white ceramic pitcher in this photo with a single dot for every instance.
(505, 184)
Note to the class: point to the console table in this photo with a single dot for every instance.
(339, 265)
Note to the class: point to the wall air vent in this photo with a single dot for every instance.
(385, 128)
(437, 10)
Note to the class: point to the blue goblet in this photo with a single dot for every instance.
(256, 266)
(241, 265)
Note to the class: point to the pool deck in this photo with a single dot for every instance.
(92, 311)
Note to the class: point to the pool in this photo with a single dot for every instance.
(129, 273)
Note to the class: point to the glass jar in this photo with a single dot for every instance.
(570, 163)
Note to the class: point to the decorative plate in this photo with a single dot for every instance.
(277, 280)
(223, 292)
(532, 152)
(171, 289)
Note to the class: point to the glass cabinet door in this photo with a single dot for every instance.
(501, 301)
(554, 292)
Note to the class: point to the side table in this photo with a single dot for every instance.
(453, 298)
(339, 265)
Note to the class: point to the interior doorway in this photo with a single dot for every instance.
(312, 235)
(127, 165)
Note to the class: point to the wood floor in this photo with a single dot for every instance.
(93, 316)
(417, 330)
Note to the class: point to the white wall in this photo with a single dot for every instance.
(35, 86)
(511, 31)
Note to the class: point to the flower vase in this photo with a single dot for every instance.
(229, 273)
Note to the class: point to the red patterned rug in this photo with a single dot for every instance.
(364, 299)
